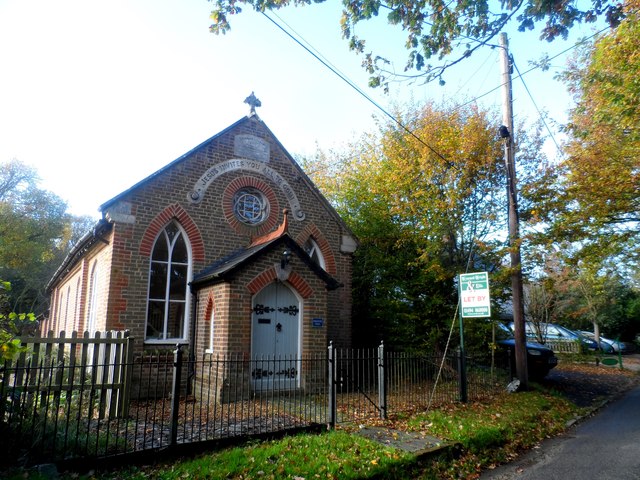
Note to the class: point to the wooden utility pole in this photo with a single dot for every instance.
(506, 132)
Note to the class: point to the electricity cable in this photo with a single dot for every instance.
(361, 92)
(535, 67)
(343, 77)
(544, 121)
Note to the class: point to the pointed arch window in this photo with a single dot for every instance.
(212, 322)
(313, 250)
(167, 308)
(93, 299)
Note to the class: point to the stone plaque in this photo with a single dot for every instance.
(249, 146)
(120, 213)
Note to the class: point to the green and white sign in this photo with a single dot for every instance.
(474, 295)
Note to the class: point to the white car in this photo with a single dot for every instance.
(607, 345)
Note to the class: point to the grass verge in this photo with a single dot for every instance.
(490, 433)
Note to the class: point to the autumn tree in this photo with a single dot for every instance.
(435, 29)
(427, 202)
(35, 234)
(592, 199)
(540, 303)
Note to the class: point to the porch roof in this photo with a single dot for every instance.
(224, 268)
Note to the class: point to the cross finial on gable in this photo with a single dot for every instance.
(253, 102)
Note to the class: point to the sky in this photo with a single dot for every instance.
(97, 96)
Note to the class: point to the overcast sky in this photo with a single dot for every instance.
(98, 95)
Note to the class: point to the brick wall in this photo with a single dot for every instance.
(140, 213)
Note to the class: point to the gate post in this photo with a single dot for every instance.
(175, 393)
(126, 376)
(382, 383)
(331, 364)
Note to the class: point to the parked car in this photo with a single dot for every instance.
(540, 359)
(606, 344)
(552, 332)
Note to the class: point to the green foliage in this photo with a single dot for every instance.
(435, 29)
(11, 325)
(426, 204)
(591, 200)
(36, 233)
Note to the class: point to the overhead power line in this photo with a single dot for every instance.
(360, 91)
(319, 57)
(544, 121)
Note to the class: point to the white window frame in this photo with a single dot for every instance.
(315, 249)
(92, 314)
(212, 322)
(187, 302)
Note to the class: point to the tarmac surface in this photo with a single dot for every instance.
(603, 446)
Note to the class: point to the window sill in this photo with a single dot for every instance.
(172, 342)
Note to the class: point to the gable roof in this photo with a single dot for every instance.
(227, 266)
(252, 117)
(181, 158)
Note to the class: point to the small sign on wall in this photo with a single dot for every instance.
(317, 322)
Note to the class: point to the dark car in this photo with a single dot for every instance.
(551, 332)
(540, 359)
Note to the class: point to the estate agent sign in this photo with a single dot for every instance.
(474, 295)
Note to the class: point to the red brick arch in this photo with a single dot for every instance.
(210, 307)
(312, 231)
(208, 311)
(268, 276)
(227, 205)
(178, 213)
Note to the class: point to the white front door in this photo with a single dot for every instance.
(275, 338)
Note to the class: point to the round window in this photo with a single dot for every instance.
(250, 206)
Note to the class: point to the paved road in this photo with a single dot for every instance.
(606, 446)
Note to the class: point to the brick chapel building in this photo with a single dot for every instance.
(228, 249)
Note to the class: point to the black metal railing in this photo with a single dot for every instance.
(176, 400)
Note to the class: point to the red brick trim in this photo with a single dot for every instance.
(262, 280)
(312, 231)
(208, 311)
(227, 206)
(300, 284)
(183, 218)
(269, 276)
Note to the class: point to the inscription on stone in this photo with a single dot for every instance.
(253, 166)
(249, 146)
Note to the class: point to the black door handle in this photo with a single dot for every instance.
(279, 327)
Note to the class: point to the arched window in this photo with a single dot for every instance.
(212, 321)
(168, 302)
(313, 250)
(93, 300)
(75, 321)
(58, 317)
(66, 310)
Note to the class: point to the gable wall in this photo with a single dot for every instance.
(141, 210)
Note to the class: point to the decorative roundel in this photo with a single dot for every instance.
(250, 206)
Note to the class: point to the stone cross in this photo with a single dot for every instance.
(253, 102)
